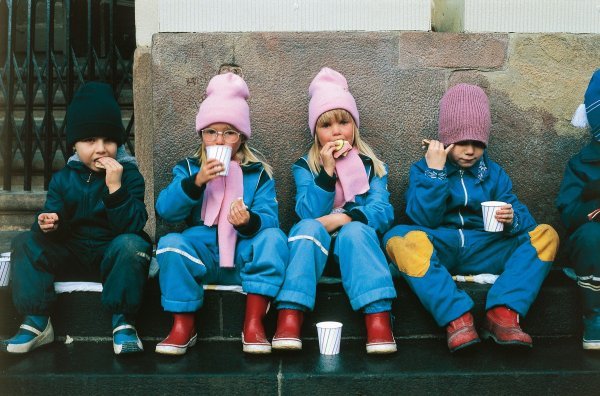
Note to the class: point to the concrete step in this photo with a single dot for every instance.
(420, 367)
(18, 209)
(556, 312)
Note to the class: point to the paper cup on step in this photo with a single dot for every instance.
(4, 269)
(489, 209)
(222, 153)
(330, 335)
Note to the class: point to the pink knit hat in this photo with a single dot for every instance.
(464, 115)
(329, 91)
(225, 102)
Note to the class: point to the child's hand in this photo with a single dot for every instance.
(333, 221)
(209, 171)
(436, 154)
(238, 213)
(114, 171)
(505, 214)
(48, 222)
(327, 157)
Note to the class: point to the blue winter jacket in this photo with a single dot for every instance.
(452, 197)
(580, 189)
(86, 210)
(315, 194)
(182, 199)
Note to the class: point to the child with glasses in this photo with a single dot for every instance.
(343, 203)
(444, 200)
(233, 236)
(579, 204)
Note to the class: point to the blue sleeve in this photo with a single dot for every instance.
(265, 206)
(125, 208)
(427, 194)
(377, 210)
(573, 209)
(312, 199)
(523, 220)
(173, 203)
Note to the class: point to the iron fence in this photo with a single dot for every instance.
(47, 49)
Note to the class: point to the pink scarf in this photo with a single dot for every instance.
(219, 194)
(352, 179)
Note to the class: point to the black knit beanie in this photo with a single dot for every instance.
(94, 112)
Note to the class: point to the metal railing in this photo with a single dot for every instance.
(47, 49)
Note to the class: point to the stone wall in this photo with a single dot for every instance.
(534, 82)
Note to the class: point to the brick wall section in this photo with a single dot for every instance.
(534, 82)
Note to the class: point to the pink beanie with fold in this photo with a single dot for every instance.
(329, 91)
(464, 115)
(225, 102)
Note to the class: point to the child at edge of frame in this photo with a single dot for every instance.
(92, 223)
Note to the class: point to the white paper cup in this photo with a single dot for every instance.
(330, 335)
(222, 153)
(489, 209)
(4, 270)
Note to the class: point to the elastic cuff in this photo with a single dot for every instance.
(115, 199)
(191, 189)
(358, 215)
(252, 227)
(179, 306)
(324, 181)
(289, 298)
(378, 306)
(261, 288)
(436, 173)
(288, 305)
(372, 296)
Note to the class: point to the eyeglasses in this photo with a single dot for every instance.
(210, 135)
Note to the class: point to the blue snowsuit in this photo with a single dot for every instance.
(356, 247)
(191, 258)
(580, 195)
(449, 239)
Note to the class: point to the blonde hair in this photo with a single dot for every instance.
(246, 155)
(338, 115)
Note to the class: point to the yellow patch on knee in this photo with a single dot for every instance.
(545, 240)
(411, 253)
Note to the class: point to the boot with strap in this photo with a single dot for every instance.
(287, 335)
(380, 339)
(182, 336)
(35, 331)
(461, 332)
(502, 325)
(254, 339)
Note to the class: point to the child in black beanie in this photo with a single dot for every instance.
(92, 222)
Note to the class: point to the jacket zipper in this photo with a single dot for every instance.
(462, 220)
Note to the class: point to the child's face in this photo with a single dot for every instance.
(222, 134)
(329, 129)
(89, 150)
(466, 154)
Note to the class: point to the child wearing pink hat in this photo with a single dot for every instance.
(343, 203)
(444, 200)
(234, 236)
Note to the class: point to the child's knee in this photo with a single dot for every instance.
(411, 253)
(545, 241)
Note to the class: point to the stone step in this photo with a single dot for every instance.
(556, 312)
(18, 209)
(420, 367)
